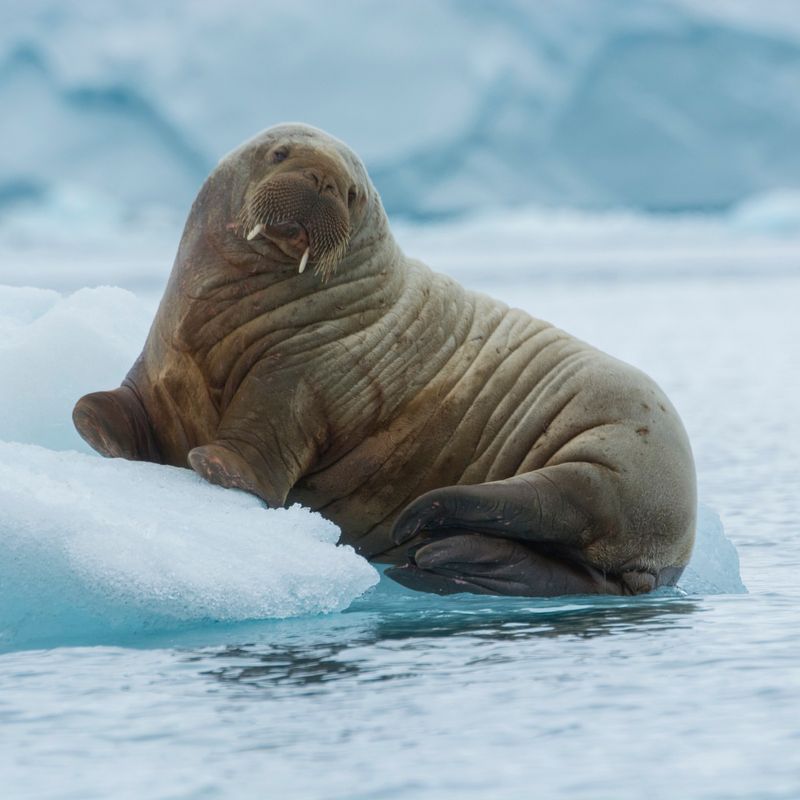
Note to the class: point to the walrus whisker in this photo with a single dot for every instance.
(281, 201)
(304, 260)
(329, 260)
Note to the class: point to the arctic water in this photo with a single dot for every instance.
(166, 639)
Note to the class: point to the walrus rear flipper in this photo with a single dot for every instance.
(532, 534)
(482, 564)
(116, 425)
(525, 535)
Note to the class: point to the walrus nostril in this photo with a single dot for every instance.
(322, 183)
(314, 177)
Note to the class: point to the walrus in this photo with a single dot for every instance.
(298, 354)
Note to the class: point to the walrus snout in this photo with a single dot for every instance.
(297, 213)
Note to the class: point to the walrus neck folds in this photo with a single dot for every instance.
(263, 302)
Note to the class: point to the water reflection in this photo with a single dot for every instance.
(297, 667)
(393, 638)
(585, 621)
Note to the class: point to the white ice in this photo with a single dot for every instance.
(54, 349)
(95, 547)
(714, 567)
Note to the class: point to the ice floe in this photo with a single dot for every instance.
(97, 547)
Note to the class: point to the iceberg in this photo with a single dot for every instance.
(96, 548)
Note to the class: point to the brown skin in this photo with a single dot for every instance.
(470, 445)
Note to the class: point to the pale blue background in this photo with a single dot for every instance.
(664, 105)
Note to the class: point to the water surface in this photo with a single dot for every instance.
(410, 696)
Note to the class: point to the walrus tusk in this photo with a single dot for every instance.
(304, 260)
(253, 233)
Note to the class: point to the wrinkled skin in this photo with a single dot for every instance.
(471, 446)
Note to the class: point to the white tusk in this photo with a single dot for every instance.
(253, 233)
(304, 260)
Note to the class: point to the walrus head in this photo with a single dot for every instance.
(306, 196)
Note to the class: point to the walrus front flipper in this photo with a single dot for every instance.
(116, 425)
(220, 464)
(481, 564)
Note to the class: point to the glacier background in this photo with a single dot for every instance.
(117, 111)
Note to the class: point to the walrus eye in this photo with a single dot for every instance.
(280, 155)
(351, 197)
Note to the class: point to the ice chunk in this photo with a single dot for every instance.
(714, 566)
(96, 548)
(54, 349)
